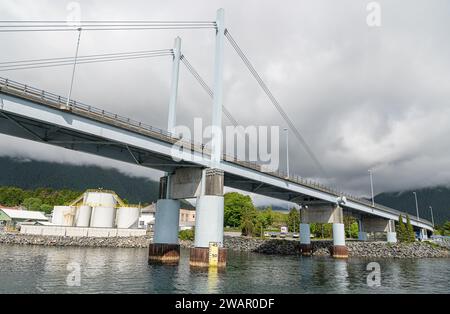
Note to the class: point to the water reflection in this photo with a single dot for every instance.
(213, 279)
(163, 277)
(340, 275)
(44, 270)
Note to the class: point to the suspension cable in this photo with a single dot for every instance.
(87, 56)
(44, 26)
(207, 89)
(274, 101)
(82, 60)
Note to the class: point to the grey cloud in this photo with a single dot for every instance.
(362, 97)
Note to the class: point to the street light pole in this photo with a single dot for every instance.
(73, 69)
(371, 187)
(417, 205)
(432, 216)
(287, 151)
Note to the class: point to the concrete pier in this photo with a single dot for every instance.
(305, 239)
(339, 248)
(209, 220)
(375, 224)
(328, 213)
(165, 247)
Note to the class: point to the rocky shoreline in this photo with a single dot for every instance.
(115, 242)
(244, 244)
(322, 248)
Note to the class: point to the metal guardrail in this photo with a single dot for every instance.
(59, 102)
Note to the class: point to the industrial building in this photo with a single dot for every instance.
(12, 218)
(98, 212)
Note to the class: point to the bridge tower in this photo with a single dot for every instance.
(210, 203)
(165, 247)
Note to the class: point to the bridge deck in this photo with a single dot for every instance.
(57, 102)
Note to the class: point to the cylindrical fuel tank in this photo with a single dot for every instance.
(83, 216)
(127, 217)
(102, 217)
(63, 215)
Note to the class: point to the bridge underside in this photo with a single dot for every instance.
(34, 130)
(45, 133)
(32, 120)
(27, 128)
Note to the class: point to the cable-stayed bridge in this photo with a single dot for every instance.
(42, 116)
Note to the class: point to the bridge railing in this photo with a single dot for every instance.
(60, 102)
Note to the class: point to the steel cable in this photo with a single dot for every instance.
(274, 101)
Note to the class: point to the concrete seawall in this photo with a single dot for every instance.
(243, 244)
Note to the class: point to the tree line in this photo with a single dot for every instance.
(240, 213)
(405, 232)
(40, 199)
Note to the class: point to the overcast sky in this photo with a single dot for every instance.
(363, 97)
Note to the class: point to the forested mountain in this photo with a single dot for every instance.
(437, 197)
(30, 175)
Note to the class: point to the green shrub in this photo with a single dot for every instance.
(187, 234)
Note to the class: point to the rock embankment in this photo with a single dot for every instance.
(118, 242)
(264, 246)
(322, 248)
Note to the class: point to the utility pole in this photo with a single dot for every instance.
(432, 216)
(371, 187)
(417, 205)
(287, 151)
(73, 69)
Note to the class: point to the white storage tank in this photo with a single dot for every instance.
(128, 217)
(99, 199)
(102, 217)
(63, 215)
(83, 216)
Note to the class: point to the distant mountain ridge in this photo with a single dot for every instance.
(437, 197)
(36, 174)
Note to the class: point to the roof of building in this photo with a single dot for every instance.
(149, 209)
(24, 214)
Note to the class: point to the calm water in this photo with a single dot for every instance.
(37, 269)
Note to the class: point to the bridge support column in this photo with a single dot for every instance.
(305, 240)
(380, 225)
(362, 236)
(328, 213)
(209, 222)
(423, 234)
(165, 247)
(391, 234)
(339, 249)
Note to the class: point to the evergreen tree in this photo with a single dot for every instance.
(293, 220)
(401, 230)
(410, 235)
